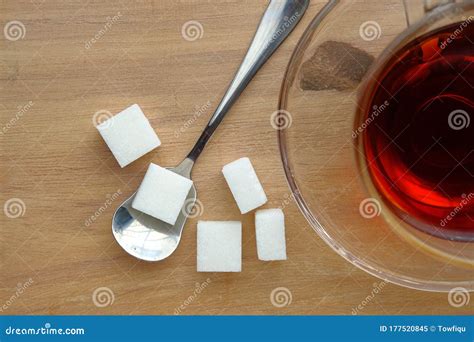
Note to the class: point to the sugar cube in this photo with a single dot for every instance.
(270, 232)
(129, 135)
(219, 246)
(162, 194)
(244, 185)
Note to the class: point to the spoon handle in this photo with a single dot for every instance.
(279, 19)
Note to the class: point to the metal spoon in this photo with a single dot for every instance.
(150, 239)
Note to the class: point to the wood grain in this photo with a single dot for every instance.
(54, 160)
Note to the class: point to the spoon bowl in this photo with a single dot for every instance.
(146, 237)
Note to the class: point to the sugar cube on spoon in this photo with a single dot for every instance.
(162, 194)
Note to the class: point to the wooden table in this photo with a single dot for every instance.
(80, 57)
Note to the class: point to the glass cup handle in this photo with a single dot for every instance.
(416, 9)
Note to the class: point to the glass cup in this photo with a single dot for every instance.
(323, 99)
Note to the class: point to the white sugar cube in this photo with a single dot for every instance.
(244, 185)
(270, 232)
(162, 194)
(129, 135)
(219, 246)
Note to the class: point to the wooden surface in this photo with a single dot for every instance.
(54, 160)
